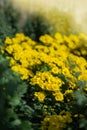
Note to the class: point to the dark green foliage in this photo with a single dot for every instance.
(9, 22)
(79, 107)
(5, 28)
(36, 25)
(13, 18)
(13, 109)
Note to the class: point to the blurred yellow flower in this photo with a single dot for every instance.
(58, 96)
(40, 96)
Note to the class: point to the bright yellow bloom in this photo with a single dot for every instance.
(47, 39)
(40, 96)
(58, 96)
(59, 37)
(8, 41)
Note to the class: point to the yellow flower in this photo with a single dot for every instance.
(8, 41)
(9, 49)
(20, 36)
(75, 39)
(58, 96)
(59, 37)
(83, 36)
(55, 70)
(68, 92)
(56, 122)
(40, 96)
(47, 39)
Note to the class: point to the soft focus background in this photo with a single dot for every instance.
(78, 8)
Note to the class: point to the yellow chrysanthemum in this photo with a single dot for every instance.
(40, 96)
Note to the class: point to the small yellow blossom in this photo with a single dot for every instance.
(58, 96)
(40, 96)
(59, 37)
(8, 41)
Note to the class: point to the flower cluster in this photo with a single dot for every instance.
(57, 121)
(55, 67)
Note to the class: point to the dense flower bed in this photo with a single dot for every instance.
(56, 71)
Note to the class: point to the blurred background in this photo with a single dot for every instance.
(38, 17)
(76, 8)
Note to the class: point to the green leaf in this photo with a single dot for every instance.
(80, 98)
(14, 101)
(77, 74)
(26, 125)
(83, 123)
(81, 84)
(16, 122)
